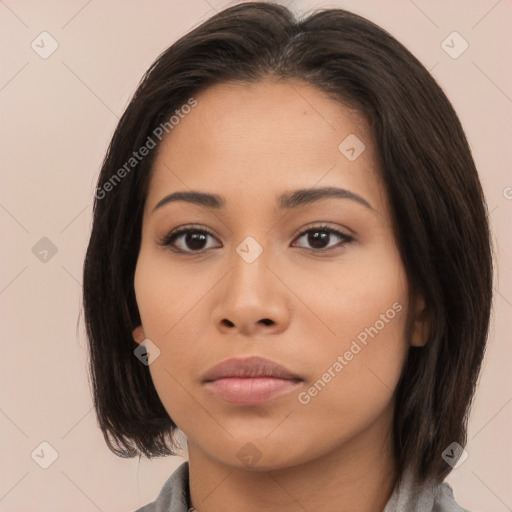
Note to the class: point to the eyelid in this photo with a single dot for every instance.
(323, 225)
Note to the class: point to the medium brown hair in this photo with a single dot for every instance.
(438, 211)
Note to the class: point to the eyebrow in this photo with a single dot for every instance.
(286, 201)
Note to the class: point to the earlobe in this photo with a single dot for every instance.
(420, 328)
(138, 334)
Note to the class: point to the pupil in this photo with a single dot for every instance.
(318, 239)
(195, 241)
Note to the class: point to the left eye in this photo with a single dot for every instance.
(320, 238)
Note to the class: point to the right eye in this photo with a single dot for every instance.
(188, 240)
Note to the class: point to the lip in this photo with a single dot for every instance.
(250, 381)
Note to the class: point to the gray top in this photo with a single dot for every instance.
(175, 497)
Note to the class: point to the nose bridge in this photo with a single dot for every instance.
(251, 297)
(248, 279)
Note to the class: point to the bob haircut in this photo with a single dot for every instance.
(437, 205)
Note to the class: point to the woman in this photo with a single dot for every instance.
(289, 262)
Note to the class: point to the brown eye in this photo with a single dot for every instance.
(188, 240)
(321, 238)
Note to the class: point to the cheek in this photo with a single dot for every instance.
(363, 297)
(344, 402)
(355, 370)
(354, 376)
(169, 303)
(164, 294)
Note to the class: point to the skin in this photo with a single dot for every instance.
(250, 143)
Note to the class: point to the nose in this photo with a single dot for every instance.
(252, 301)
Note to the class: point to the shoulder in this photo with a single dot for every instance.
(429, 497)
(174, 496)
(445, 501)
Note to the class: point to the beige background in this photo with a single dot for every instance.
(57, 115)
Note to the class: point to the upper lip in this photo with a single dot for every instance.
(254, 367)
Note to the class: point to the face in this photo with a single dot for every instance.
(310, 281)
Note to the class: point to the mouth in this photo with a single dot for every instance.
(250, 381)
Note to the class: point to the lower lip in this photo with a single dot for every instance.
(251, 391)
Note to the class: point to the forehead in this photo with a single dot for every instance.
(265, 135)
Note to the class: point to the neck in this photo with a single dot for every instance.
(357, 476)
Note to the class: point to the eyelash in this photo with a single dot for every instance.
(170, 238)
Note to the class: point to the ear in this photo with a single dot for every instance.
(138, 334)
(420, 327)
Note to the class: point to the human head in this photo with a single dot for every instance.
(436, 205)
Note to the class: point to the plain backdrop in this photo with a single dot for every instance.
(58, 113)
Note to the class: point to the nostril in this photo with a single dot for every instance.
(228, 323)
(267, 321)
